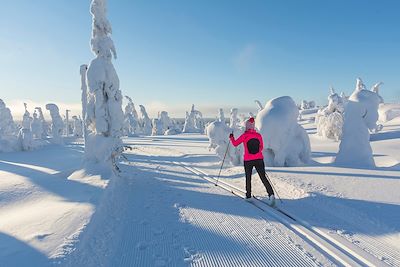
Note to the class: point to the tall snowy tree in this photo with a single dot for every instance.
(104, 115)
(83, 71)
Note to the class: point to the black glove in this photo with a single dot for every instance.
(231, 135)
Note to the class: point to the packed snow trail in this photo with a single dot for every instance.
(160, 214)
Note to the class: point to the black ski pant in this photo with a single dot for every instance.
(260, 167)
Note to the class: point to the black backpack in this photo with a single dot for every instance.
(253, 146)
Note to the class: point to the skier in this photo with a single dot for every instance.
(253, 157)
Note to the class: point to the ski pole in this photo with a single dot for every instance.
(273, 187)
(219, 174)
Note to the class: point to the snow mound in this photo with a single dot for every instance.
(286, 143)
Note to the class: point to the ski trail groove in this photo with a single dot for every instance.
(374, 249)
(332, 247)
(225, 234)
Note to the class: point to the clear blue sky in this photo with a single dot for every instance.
(211, 53)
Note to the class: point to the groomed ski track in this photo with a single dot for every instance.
(163, 212)
(342, 252)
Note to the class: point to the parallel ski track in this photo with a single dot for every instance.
(375, 249)
(340, 253)
(262, 254)
(250, 245)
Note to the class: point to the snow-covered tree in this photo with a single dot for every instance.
(77, 126)
(164, 125)
(329, 120)
(145, 121)
(194, 122)
(36, 126)
(8, 140)
(234, 121)
(304, 105)
(7, 125)
(157, 127)
(84, 98)
(45, 125)
(259, 105)
(57, 124)
(375, 89)
(25, 137)
(286, 143)
(307, 104)
(221, 116)
(131, 119)
(104, 115)
(218, 136)
(361, 116)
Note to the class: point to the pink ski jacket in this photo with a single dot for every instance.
(253, 144)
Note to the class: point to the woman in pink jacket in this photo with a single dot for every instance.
(253, 157)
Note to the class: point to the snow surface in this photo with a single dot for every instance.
(158, 213)
(46, 199)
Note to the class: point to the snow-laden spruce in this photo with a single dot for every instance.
(8, 140)
(84, 99)
(131, 119)
(145, 121)
(164, 125)
(45, 125)
(25, 137)
(218, 135)
(234, 121)
(329, 120)
(104, 115)
(307, 104)
(157, 127)
(194, 122)
(77, 126)
(36, 126)
(286, 143)
(376, 89)
(360, 117)
(57, 124)
(7, 125)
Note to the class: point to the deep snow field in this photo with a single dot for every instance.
(160, 212)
